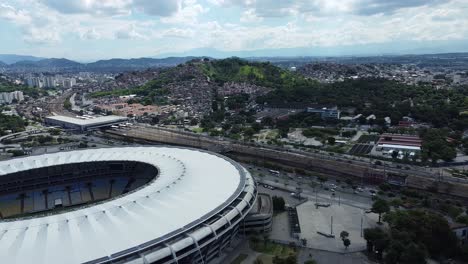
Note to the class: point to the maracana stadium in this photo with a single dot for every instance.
(124, 205)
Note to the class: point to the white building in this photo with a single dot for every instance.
(69, 82)
(34, 82)
(7, 98)
(50, 82)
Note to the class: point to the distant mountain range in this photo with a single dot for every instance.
(112, 65)
(367, 53)
(362, 50)
(13, 58)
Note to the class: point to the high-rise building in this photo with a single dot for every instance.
(50, 82)
(7, 98)
(69, 82)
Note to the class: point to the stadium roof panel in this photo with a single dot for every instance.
(191, 187)
(89, 121)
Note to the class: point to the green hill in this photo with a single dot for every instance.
(259, 73)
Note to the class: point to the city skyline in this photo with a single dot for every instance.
(91, 30)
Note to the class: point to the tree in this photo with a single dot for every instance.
(249, 132)
(344, 234)
(423, 228)
(322, 179)
(346, 242)
(278, 204)
(394, 154)
(380, 207)
(377, 240)
(413, 254)
(331, 140)
(258, 261)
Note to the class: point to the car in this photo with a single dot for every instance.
(293, 194)
(359, 189)
(265, 186)
(271, 187)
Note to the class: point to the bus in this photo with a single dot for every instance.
(274, 172)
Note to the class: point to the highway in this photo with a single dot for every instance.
(217, 144)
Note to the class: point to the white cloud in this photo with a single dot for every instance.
(9, 13)
(178, 33)
(188, 13)
(130, 32)
(258, 24)
(275, 8)
(249, 16)
(158, 8)
(115, 7)
(91, 34)
(97, 7)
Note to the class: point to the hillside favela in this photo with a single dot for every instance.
(234, 132)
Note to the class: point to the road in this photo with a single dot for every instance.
(55, 106)
(285, 186)
(222, 144)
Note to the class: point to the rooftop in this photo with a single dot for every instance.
(88, 121)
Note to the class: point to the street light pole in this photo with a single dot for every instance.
(361, 226)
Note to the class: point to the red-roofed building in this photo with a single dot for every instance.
(400, 143)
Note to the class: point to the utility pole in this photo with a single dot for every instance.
(331, 225)
(361, 227)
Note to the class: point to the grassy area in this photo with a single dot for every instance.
(239, 259)
(266, 259)
(197, 129)
(271, 248)
(320, 133)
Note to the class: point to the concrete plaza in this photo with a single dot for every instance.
(345, 218)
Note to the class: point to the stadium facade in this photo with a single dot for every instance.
(173, 205)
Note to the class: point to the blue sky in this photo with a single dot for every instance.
(99, 29)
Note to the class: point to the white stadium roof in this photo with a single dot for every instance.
(90, 121)
(191, 186)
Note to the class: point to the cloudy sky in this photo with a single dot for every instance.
(96, 29)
